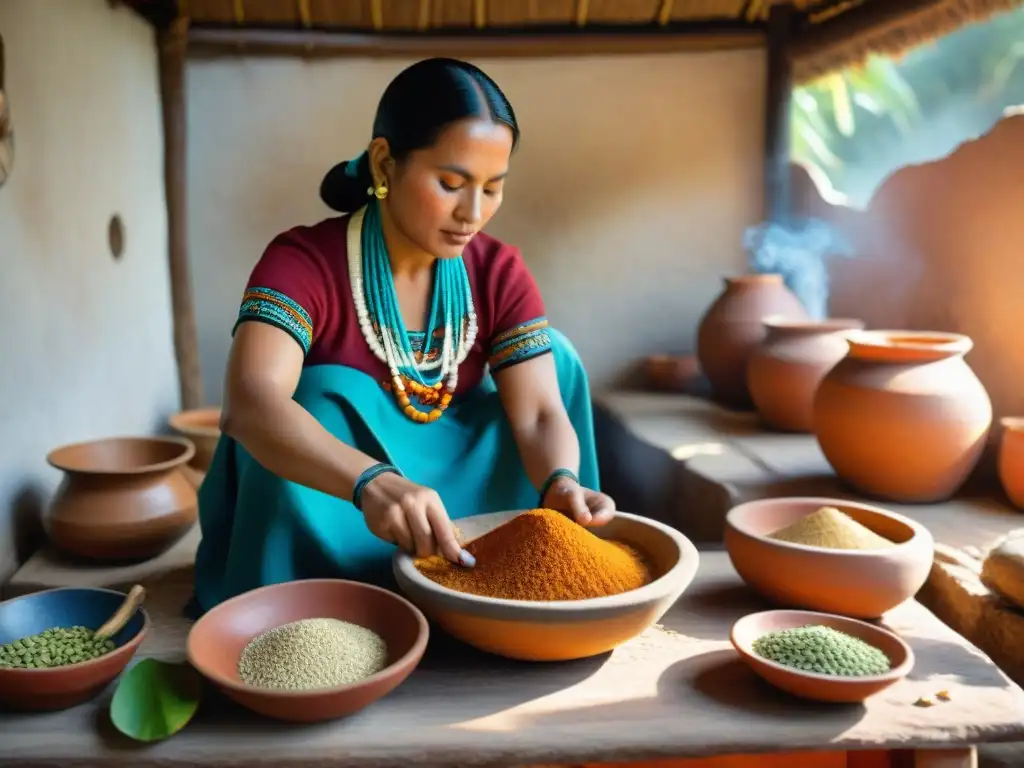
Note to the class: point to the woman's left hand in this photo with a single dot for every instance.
(583, 505)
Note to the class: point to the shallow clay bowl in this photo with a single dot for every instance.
(858, 583)
(559, 630)
(217, 639)
(62, 687)
(810, 685)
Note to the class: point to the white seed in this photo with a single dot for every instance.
(312, 653)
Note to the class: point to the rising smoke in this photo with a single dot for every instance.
(799, 251)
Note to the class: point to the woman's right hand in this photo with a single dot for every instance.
(411, 516)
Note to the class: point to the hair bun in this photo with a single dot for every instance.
(345, 191)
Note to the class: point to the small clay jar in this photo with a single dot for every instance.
(1011, 459)
(733, 327)
(671, 373)
(202, 427)
(784, 371)
(902, 416)
(122, 498)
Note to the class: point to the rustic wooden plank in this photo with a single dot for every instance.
(172, 44)
(677, 691)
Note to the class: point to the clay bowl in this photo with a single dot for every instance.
(67, 686)
(202, 427)
(810, 685)
(122, 498)
(672, 373)
(217, 639)
(559, 630)
(858, 583)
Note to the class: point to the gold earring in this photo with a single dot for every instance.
(380, 192)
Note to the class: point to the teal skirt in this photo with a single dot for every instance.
(259, 529)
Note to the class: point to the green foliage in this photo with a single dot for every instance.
(838, 119)
(155, 699)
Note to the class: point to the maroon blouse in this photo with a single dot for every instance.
(301, 284)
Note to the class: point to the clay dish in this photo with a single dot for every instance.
(67, 686)
(536, 630)
(217, 639)
(859, 583)
(811, 685)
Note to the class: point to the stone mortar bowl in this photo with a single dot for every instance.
(534, 630)
(861, 584)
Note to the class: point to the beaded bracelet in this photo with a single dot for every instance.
(556, 475)
(364, 479)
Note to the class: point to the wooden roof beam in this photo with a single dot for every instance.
(212, 42)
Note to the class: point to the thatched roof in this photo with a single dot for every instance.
(825, 34)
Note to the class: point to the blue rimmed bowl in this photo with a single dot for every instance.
(62, 687)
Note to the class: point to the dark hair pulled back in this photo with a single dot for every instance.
(415, 108)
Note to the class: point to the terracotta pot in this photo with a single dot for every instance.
(733, 327)
(784, 371)
(903, 416)
(122, 498)
(672, 373)
(1011, 460)
(202, 427)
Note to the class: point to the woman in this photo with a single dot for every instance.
(393, 369)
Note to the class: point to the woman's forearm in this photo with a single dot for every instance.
(285, 439)
(547, 443)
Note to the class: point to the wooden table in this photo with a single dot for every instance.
(677, 691)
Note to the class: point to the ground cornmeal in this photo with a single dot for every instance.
(832, 529)
(312, 653)
(541, 555)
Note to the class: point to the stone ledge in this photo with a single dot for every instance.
(954, 592)
(47, 569)
(723, 457)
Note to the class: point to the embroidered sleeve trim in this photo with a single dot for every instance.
(266, 305)
(519, 344)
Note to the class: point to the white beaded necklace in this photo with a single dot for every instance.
(381, 340)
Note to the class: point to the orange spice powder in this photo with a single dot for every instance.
(541, 555)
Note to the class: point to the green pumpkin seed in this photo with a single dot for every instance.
(54, 647)
(822, 650)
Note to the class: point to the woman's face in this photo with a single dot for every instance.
(441, 196)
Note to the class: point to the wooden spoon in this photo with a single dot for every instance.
(121, 616)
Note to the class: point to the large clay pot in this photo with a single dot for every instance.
(122, 498)
(733, 327)
(784, 371)
(202, 427)
(1011, 460)
(902, 416)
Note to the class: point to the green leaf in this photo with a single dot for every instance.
(841, 103)
(155, 699)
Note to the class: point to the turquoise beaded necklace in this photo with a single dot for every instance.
(380, 319)
(449, 304)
